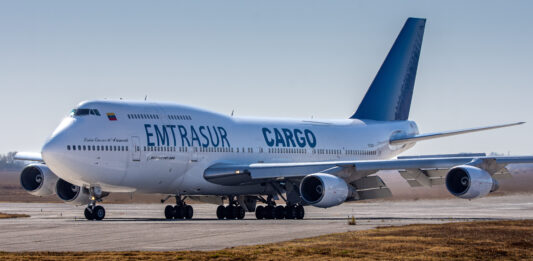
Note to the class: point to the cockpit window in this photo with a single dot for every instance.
(95, 112)
(83, 112)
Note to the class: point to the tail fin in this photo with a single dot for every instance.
(389, 95)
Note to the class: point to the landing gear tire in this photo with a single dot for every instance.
(240, 212)
(230, 212)
(189, 212)
(179, 212)
(290, 212)
(259, 211)
(88, 213)
(269, 212)
(279, 212)
(221, 212)
(300, 212)
(169, 212)
(98, 213)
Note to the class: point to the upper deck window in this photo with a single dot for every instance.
(84, 112)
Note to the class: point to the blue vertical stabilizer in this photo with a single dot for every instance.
(389, 96)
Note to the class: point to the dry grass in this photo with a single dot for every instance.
(4, 215)
(458, 241)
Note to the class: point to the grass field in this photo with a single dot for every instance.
(3, 215)
(509, 240)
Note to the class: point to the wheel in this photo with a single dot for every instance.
(179, 212)
(88, 213)
(98, 212)
(279, 212)
(189, 212)
(230, 212)
(269, 212)
(300, 212)
(259, 211)
(290, 212)
(221, 212)
(240, 212)
(169, 212)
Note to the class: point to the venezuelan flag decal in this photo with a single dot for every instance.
(111, 116)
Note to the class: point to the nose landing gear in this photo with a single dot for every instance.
(92, 211)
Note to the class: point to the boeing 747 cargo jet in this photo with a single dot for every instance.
(189, 153)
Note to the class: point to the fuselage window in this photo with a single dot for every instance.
(73, 147)
(88, 147)
(93, 148)
(68, 147)
(106, 148)
(79, 147)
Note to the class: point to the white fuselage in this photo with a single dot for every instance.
(165, 148)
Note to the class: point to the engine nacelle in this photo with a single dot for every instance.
(38, 180)
(470, 182)
(323, 190)
(71, 193)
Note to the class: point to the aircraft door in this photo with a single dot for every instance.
(136, 148)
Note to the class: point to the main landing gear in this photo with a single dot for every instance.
(271, 211)
(232, 211)
(180, 211)
(280, 212)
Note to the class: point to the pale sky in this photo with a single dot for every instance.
(267, 58)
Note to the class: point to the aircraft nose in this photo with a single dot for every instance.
(52, 150)
(55, 148)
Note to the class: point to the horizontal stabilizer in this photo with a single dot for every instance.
(428, 136)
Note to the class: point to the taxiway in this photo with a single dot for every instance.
(61, 227)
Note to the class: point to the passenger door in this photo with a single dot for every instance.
(136, 150)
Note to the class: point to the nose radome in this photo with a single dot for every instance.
(51, 150)
(54, 149)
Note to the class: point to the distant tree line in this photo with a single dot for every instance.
(7, 162)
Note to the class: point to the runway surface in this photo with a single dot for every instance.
(61, 227)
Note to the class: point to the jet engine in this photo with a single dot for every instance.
(38, 180)
(71, 193)
(323, 190)
(470, 182)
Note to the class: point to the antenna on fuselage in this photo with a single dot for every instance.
(145, 97)
(232, 112)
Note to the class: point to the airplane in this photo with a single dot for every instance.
(108, 146)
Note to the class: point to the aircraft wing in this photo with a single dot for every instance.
(28, 156)
(418, 171)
